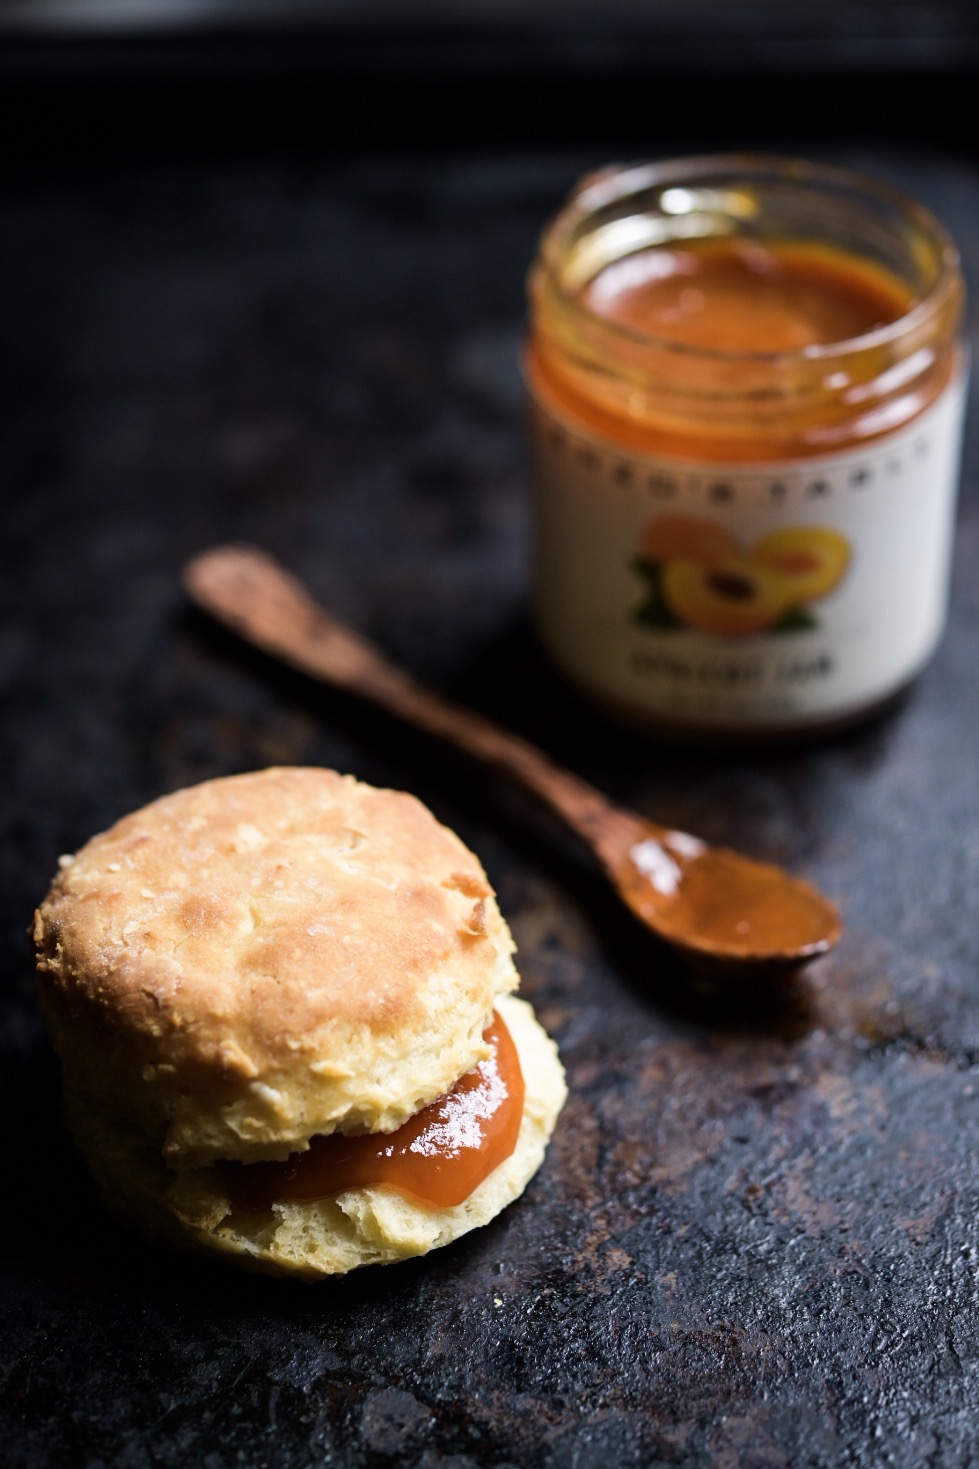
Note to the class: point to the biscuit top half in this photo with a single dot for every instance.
(257, 959)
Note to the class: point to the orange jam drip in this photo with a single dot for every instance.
(725, 295)
(438, 1157)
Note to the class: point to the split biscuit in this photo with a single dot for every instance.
(262, 960)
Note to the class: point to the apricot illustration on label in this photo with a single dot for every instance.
(697, 576)
(730, 598)
(811, 559)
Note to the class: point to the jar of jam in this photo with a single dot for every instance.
(747, 389)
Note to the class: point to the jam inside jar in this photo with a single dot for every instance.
(746, 386)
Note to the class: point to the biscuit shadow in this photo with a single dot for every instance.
(41, 1157)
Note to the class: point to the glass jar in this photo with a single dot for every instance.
(746, 387)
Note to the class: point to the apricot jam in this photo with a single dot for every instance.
(746, 388)
(437, 1158)
(735, 295)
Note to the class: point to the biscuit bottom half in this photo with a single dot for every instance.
(329, 1236)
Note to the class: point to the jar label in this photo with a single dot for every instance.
(753, 595)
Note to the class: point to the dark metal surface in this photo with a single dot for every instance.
(755, 1240)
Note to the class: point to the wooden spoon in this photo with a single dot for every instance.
(709, 903)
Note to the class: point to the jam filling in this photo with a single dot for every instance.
(438, 1157)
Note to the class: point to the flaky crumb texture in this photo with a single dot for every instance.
(330, 1236)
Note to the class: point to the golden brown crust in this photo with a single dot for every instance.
(253, 960)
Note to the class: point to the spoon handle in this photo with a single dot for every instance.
(252, 594)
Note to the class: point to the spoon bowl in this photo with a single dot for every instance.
(743, 912)
(715, 907)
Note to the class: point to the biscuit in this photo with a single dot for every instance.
(254, 962)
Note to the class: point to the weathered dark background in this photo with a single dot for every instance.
(755, 1240)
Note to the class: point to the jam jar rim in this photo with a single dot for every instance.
(618, 181)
